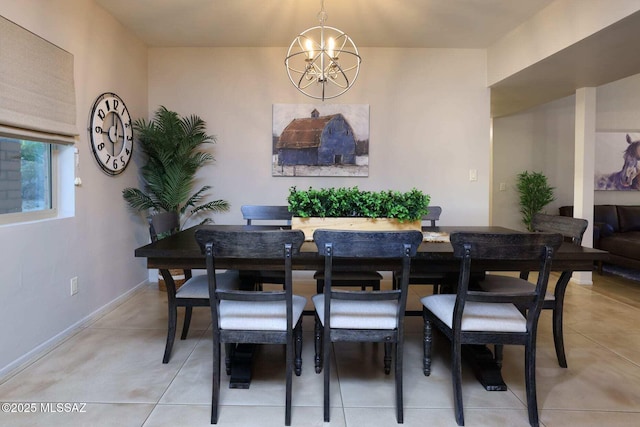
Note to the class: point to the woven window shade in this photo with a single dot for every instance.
(37, 95)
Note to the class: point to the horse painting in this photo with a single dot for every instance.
(626, 178)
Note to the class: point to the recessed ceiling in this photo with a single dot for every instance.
(371, 23)
(606, 56)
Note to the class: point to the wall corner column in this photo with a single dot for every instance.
(583, 187)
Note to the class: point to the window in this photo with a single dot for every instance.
(37, 119)
(26, 180)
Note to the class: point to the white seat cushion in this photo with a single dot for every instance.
(477, 316)
(258, 315)
(346, 314)
(198, 286)
(509, 284)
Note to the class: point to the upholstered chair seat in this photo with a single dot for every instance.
(350, 314)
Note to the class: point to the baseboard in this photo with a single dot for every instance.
(32, 356)
(582, 277)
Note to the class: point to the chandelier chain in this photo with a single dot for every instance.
(322, 15)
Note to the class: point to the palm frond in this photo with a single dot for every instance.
(138, 200)
(214, 206)
(171, 145)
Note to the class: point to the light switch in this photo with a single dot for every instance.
(503, 186)
(473, 174)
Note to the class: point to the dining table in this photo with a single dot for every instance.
(435, 254)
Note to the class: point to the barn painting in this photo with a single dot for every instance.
(320, 140)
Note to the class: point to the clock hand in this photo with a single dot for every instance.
(115, 133)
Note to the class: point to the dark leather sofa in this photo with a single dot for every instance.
(616, 229)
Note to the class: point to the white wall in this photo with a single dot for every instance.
(542, 139)
(97, 239)
(538, 140)
(429, 122)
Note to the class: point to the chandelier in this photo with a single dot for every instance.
(323, 62)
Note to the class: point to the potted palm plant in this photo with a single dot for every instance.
(171, 146)
(535, 194)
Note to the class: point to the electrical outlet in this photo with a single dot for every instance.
(74, 285)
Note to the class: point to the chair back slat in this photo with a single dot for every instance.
(570, 228)
(366, 244)
(518, 298)
(265, 213)
(365, 296)
(251, 244)
(503, 246)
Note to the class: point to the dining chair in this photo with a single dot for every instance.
(255, 317)
(430, 278)
(477, 317)
(424, 277)
(267, 215)
(193, 292)
(363, 316)
(572, 229)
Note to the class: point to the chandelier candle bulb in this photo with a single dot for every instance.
(310, 49)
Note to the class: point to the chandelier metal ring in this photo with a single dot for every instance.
(323, 62)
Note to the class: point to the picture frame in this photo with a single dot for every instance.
(320, 140)
(616, 161)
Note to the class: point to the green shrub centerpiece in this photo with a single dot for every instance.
(353, 202)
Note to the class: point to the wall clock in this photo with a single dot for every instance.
(111, 133)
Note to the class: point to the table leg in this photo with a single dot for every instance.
(241, 366)
(484, 366)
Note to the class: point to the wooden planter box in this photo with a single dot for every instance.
(309, 225)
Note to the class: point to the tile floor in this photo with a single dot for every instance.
(114, 366)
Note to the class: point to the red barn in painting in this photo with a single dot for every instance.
(317, 141)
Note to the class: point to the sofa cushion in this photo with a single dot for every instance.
(629, 218)
(622, 244)
(604, 230)
(608, 214)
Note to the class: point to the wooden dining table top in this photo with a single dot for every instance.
(182, 251)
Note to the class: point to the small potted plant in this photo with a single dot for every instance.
(352, 208)
(535, 194)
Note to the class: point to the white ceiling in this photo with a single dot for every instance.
(606, 56)
(370, 23)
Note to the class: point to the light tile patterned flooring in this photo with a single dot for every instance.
(114, 366)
